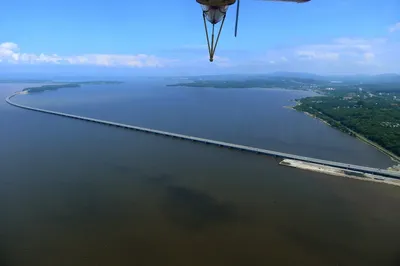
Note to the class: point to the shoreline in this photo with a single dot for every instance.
(334, 171)
(254, 150)
(357, 135)
(61, 85)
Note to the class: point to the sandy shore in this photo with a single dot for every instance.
(339, 172)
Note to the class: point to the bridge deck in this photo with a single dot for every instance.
(364, 169)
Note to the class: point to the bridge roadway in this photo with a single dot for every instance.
(363, 169)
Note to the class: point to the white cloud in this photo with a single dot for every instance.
(9, 52)
(341, 47)
(222, 61)
(203, 61)
(317, 55)
(395, 27)
(341, 55)
(338, 56)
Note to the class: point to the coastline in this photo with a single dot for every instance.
(357, 135)
(333, 171)
(61, 85)
(276, 154)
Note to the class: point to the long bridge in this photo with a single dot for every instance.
(282, 155)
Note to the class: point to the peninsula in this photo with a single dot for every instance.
(60, 85)
(251, 82)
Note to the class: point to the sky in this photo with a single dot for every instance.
(167, 38)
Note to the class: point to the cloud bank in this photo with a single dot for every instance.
(10, 53)
(340, 55)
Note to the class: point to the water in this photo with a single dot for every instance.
(76, 193)
(253, 117)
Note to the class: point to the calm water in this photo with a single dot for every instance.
(251, 117)
(76, 193)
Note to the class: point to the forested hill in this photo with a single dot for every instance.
(374, 115)
(253, 82)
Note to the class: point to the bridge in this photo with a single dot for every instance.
(282, 155)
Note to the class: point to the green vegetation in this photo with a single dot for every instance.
(67, 85)
(50, 87)
(372, 117)
(366, 107)
(266, 82)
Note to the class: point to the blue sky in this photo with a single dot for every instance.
(157, 37)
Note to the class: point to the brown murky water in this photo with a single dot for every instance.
(75, 193)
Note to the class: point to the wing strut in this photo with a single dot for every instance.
(214, 42)
(237, 16)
